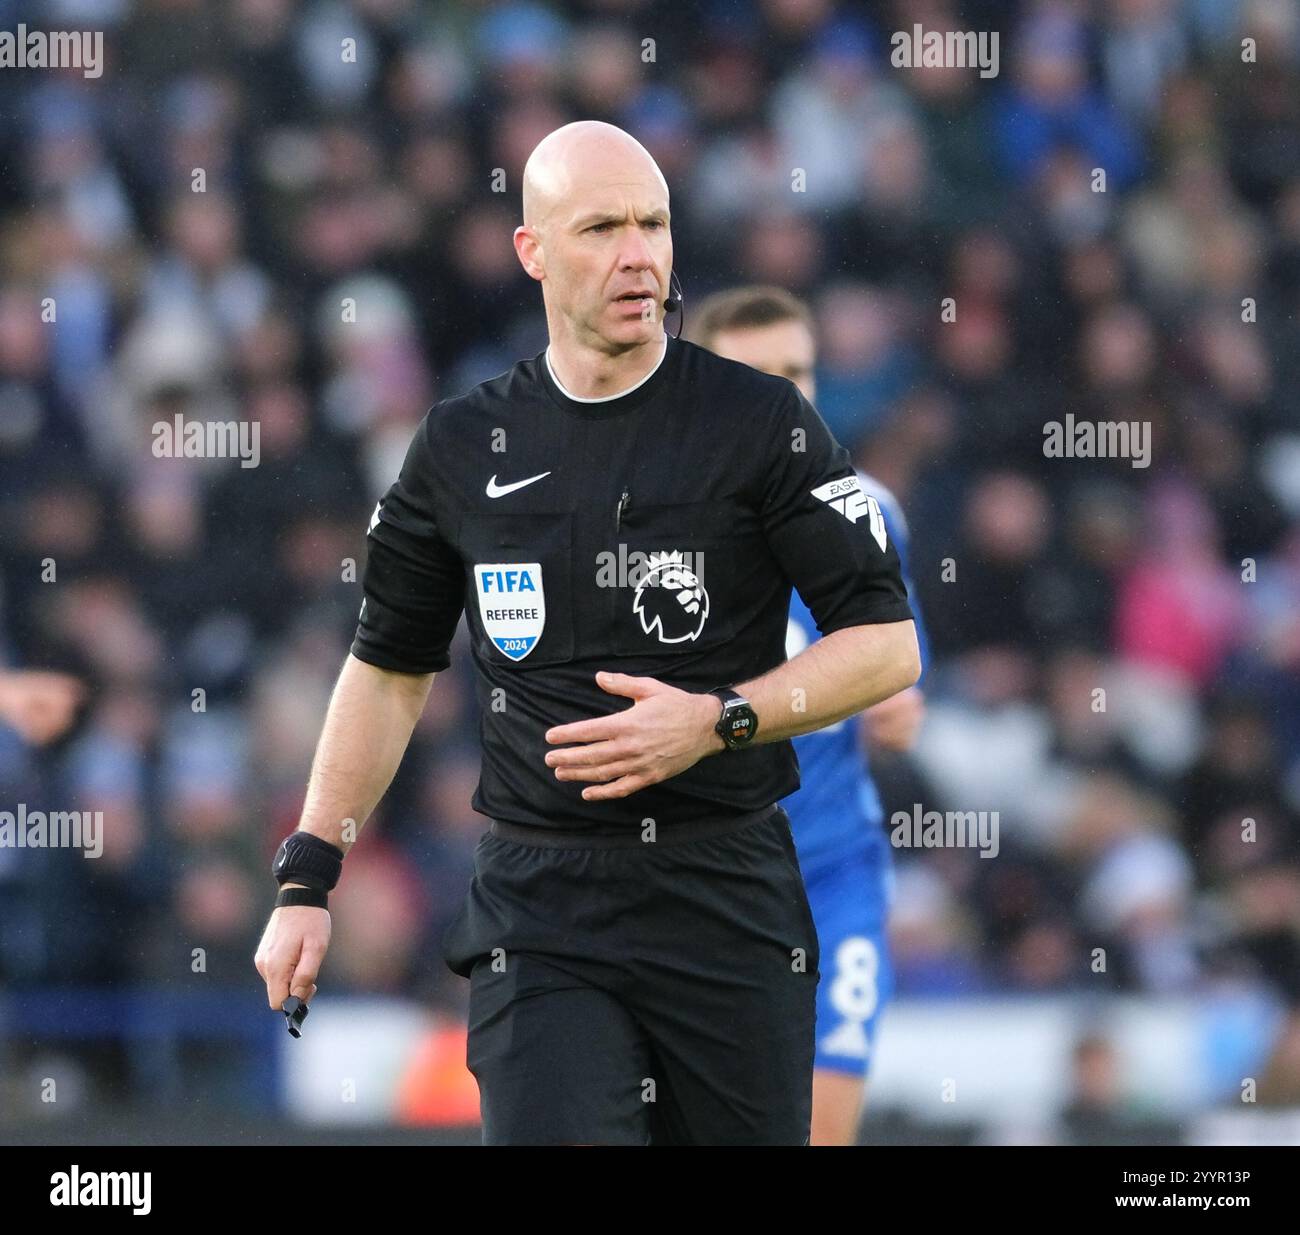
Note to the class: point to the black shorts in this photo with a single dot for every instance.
(635, 992)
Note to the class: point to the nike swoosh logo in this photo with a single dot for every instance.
(496, 490)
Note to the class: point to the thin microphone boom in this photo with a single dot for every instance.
(674, 302)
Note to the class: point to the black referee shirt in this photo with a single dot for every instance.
(656, 534)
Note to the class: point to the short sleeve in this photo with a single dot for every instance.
(414, 582)
(826, 531)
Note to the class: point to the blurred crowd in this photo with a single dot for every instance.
(1116, 648)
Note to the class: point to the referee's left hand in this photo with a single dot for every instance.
(664, 732)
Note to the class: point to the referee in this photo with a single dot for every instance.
(621, 519)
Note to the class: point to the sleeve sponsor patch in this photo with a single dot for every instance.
(846, 496)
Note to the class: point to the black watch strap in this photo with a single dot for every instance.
(301, 896)
(737, 723)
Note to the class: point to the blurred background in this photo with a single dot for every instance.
(1164, 829)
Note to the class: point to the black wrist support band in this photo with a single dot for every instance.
(306, 859)
(301, 896)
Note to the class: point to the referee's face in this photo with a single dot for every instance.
(607, 253)
(785, 348)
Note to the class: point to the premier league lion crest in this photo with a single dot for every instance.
(670, 600)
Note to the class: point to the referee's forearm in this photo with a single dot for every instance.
(834, 678)
(367, 727)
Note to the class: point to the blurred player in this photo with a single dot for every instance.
(837, 817)
(39, 706)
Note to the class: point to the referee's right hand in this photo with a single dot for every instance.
(292, 949)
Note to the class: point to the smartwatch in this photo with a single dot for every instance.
(739, 722)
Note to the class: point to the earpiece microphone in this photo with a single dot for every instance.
(674, 301)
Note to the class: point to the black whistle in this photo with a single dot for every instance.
(295, 1012)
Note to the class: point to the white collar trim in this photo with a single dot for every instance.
(605, 398)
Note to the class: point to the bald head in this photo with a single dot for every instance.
(596, 236)
(581, 159)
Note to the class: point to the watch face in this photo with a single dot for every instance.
(738, 723)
